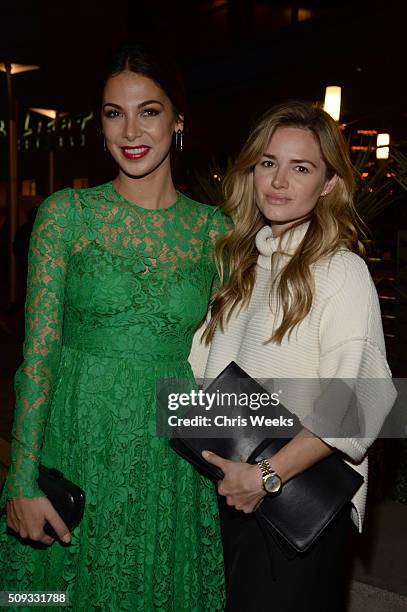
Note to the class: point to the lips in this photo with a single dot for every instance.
(135, 152)
(273, 198)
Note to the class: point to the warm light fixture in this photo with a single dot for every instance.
(367, 132)
(17, 68)
(332, 104)
(304, 14)
(48, 112)
(382, 144)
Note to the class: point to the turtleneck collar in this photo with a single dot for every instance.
(267, 244)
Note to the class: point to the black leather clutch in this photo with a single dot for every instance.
(67, 498)
(308, 502)
(241, 443)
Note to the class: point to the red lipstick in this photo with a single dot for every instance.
(135, 152)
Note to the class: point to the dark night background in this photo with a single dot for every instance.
(237, 57)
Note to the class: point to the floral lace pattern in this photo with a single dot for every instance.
(115, 293)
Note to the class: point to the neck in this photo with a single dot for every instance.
(268, 244)
(155, 190)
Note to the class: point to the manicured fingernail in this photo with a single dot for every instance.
(66, 538)
(205, 454)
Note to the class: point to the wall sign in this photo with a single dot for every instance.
(39, 133)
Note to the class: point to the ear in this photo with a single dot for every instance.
(179, 123)
(329, 185)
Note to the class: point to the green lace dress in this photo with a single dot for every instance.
(115, 292)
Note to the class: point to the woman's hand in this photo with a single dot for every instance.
(27, 517)
(242, 484)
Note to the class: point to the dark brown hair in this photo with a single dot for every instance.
(153, 63)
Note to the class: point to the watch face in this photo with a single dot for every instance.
(273, 483)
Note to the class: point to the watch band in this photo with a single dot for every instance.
(265, 467)
(272, 482)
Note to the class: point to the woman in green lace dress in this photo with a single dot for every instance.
(120, 276)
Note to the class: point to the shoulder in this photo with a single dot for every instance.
(343, 272)
(60, 198)
(72, 202)
(92, 196)
(210, 217)
(198, 207)
(219, 217)
(347, 301)
(208, 210)
(346, 262)
(201, 211)
(219, 224)
(57, 205)
(59, 214)
(349, 297)
(70, 197)
(97, 191)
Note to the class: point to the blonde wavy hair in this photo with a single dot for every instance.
(334, 222)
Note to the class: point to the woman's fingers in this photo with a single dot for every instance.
(214, 459)
(27, 517)
(46, 539)
(58, 524)
(242, 484)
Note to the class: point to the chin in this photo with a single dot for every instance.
(273, 218)
(138, 169)
(135, 168)
(136, 172)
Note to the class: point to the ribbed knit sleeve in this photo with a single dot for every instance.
(353, 350)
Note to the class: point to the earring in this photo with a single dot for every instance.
(323, 194)
(104, 144)
(178, 140)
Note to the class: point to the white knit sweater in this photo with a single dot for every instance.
(341, 337)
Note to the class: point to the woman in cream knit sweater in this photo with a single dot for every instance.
(299, 302)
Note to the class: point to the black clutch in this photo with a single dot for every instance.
(67, 498)
(308, 502)
(242, 444)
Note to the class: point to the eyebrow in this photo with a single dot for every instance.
(141, 105)
(295, 161)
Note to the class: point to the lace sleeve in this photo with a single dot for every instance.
(49, 249)
(220, 224)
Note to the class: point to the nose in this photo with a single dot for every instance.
(132, 129)
(280, 178)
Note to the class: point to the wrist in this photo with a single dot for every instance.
(257, 479)
(271, 481)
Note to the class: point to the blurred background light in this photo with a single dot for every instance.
(332, 104)
(382, 144)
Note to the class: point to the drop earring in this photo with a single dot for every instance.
(178, 140)
(104, 145)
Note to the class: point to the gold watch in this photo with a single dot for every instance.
(272, 482)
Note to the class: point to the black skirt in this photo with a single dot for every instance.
(261, 577)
